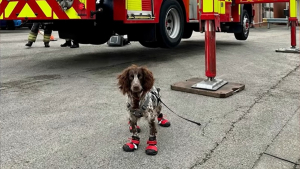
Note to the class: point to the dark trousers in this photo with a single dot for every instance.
(34, 31)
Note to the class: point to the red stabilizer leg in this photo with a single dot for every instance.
(293, 34)
(210, 49)
(151, 149)
(132, 145)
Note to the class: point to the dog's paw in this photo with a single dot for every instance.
(132, 145)
(164, 123)
(151, 149)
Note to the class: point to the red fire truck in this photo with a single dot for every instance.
(154, 23)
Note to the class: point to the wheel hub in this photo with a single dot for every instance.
(246, 25)
(172, 21)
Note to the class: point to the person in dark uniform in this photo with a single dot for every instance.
(34, 31)
(68, 43)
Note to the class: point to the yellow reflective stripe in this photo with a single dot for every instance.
(222, 7)
(239, 9)
(84, 2)
(216, 6)
(46, 38)
(9, 8)
(0, 1)
(1, 16)
(134, 5)
(32, 37)
(293, 8)
(45, 7)
(141, 17)
(54, 16)
(72, 14)
(26, 12)
(208, 6)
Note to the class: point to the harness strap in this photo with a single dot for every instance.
(139, 112)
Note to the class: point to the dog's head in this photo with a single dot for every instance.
(135, 79)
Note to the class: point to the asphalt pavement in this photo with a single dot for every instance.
(61, 107)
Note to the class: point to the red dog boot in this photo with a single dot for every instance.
(132, 145)
(151, 149)
(162, 121)
(137, 128)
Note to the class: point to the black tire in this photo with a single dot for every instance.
(149, 44)
(165, 40)
(243, 35)
(188, 31)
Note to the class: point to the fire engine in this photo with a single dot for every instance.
(154, 23)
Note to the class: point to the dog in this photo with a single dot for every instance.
(142, 101)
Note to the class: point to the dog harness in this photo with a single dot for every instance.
(153, 95)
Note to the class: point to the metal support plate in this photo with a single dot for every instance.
(214, 84)
(288, 50)
(223, 92)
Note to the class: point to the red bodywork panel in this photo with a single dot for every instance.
(44, 10)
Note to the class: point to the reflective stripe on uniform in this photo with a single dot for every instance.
(32, 37)
(46, 38)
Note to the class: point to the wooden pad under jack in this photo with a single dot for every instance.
(223, 92)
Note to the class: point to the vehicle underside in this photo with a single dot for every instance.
(172, 27)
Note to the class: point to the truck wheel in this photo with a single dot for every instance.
(149, 44)
(188, 31)
(245, 27)
(171, 24)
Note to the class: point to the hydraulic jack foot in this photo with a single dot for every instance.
(288, 50)
(223, 90)
(210, 84)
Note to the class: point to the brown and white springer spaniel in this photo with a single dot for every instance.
(137, 83)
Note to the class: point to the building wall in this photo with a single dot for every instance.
(278, 9)
(277, 12)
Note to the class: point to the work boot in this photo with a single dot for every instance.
(75, 45)
(67, 43)
(47, 44)
(29, 44)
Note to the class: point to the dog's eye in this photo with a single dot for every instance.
(131, 77)
(139, 76)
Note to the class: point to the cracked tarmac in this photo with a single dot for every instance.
(61, 107)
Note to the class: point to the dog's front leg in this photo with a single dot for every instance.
(151, 149)
(135, 140)
(133, 125)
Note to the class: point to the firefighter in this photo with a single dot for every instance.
(68, 43)
(34, 31)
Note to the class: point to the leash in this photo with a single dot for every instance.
(199, 124)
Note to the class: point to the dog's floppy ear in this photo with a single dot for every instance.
(124, 83)
(148, 79)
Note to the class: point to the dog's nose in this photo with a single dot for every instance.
(136, 87)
